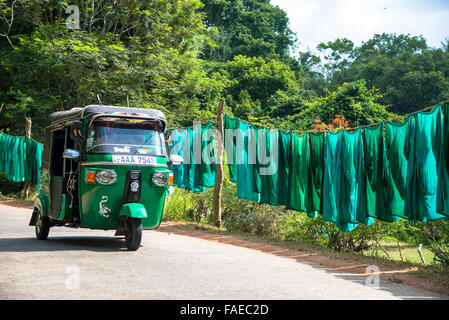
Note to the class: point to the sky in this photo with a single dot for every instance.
(316, 21)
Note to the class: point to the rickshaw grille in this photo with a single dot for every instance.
(133, 186)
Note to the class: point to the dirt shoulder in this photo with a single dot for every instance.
(430, 278)
(27, 204)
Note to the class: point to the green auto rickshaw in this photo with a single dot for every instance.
(104, 167)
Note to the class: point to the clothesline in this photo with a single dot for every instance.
(352, 178)
(352, 128)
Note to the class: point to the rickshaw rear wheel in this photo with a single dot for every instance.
(133, 236)
(42, 226)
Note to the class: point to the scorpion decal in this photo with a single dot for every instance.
(104, 210)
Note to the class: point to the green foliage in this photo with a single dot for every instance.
(144, 53)
(354, 101)
(435, 235)
(409, 74)
(254, 81)
(252, 28)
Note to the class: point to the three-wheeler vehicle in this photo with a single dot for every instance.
(104, 167)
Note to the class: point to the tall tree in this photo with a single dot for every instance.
(253, 28)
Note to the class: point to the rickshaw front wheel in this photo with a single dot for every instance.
(133, 236)
(42, 226)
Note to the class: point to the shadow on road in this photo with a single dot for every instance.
(90, 243)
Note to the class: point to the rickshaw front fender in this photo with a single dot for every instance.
(39, 206)
(133, 210)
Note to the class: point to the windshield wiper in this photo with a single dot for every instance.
(149, 137)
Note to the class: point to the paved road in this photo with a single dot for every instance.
(87, 264)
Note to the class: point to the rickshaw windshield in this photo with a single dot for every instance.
(125, 136)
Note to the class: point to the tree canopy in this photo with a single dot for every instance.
(184, 56)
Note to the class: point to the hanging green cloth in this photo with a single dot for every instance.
(443, 171)
(253, 145)
(285, 148)
(37, 162)
(33, 158)
(332, 184)
(268, 165)
(2, 152)
(188, 175)
(353, 204)
(206, 168)
(230, 142)
(175, 148)
(373, 147)
(397, 143)
(245, 179)
(422, 176)
(316, 170)
(299, 178)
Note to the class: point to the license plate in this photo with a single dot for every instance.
(134, 160)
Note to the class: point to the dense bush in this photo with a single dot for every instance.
(436, 236)
(8, 187)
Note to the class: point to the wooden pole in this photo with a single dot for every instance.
(383, 249)
(219, 172)
(420, 254)
(27, 186)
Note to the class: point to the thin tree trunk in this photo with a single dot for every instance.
(219, 172)
(27, 187)
(399, 248)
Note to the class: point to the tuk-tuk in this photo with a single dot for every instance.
(104, 167)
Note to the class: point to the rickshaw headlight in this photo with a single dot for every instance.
(160, 178)
(106, 177)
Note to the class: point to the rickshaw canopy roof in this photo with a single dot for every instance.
(57, 120)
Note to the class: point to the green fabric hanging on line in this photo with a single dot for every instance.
(230, 143)
(422, 176)
(332, 184)
(443, 171)
(36, 154)
(252, 154)
(353, 203)
(189, 168)
(3, 138)
(178, 170)
(299, 178)
(205, 172)
(245, 179)
(20, 159)
(268, 165)
(196, 147)
(316, 170)
(397, 143)
(285, 149)
(373, 147)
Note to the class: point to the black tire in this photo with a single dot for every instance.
(133, 236)
(43, 225)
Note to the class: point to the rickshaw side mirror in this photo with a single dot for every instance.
(71, 154)
(76, 130)
(176, 160)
